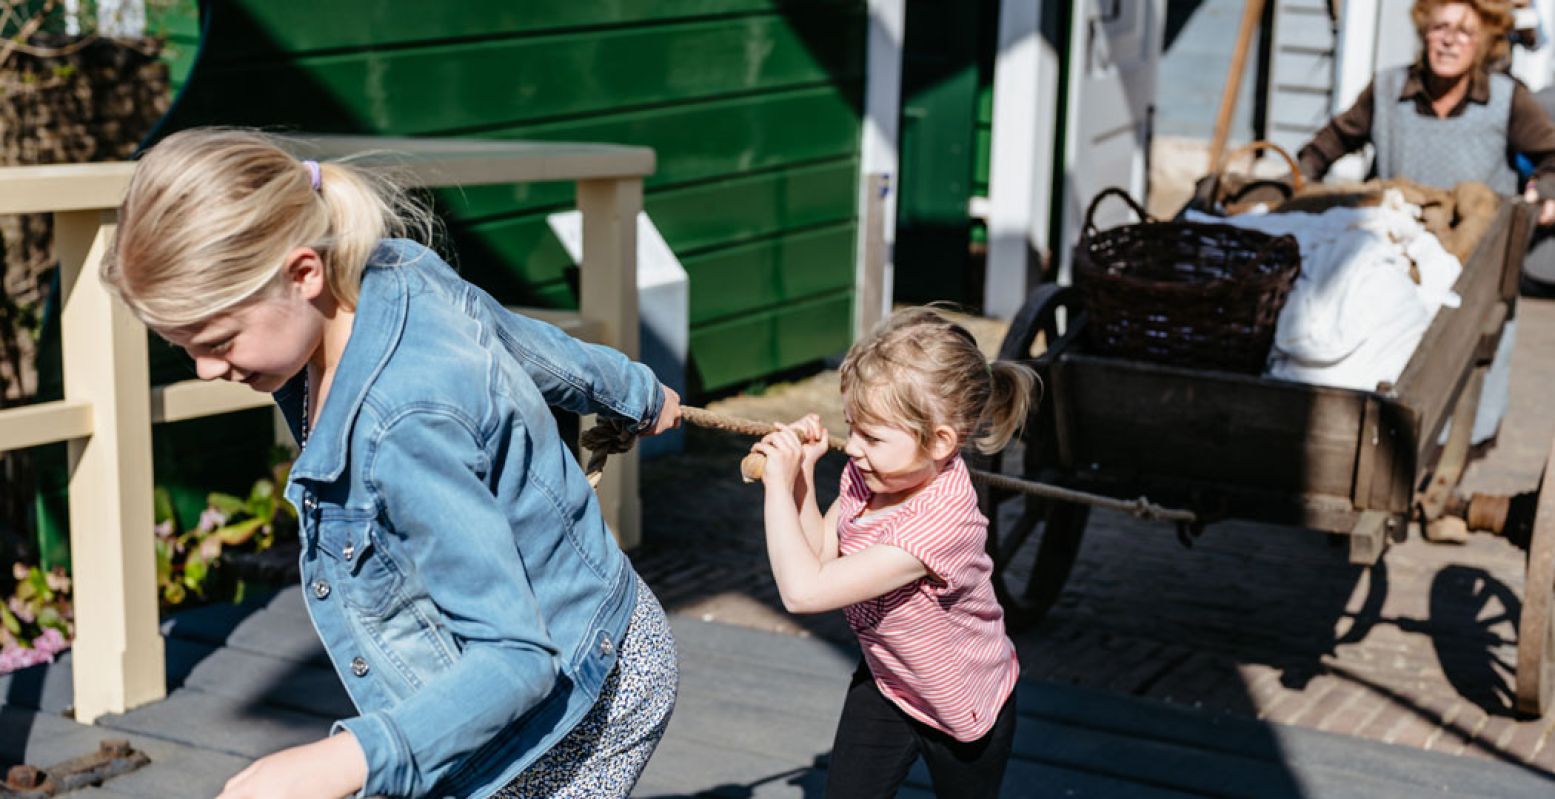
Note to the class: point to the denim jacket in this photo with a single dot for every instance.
(454, 562)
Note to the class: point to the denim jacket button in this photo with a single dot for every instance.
(359, 667)
(348, 551)
(320, 589)
(605, 647)
(309, 503)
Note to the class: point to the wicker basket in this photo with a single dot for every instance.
(1183, 293)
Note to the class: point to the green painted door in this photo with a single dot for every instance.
(946, 74)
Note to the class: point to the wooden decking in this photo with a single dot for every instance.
(754, 719)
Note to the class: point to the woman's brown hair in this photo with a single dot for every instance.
(1495, 19)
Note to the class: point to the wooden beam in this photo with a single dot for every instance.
(571, 322)
(1252, 13)
(1369, 537)
(194, 399)
(435, 163)
(44, 423)
(63, 187)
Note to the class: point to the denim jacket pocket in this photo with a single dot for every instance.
(368, 579)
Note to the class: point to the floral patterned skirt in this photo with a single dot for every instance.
(607, 751)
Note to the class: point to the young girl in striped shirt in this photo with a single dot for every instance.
(901, 551)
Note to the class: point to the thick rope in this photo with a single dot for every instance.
(609, 437)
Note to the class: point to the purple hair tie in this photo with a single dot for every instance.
(315, 177)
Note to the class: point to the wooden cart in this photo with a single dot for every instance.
(1361, 463)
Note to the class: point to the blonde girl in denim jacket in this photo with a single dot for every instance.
(494, 639)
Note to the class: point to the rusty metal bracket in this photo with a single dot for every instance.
(113, 757)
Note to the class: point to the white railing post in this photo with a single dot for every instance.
(118, 652)
(608, 293)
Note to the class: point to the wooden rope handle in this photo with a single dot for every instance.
(754, 465)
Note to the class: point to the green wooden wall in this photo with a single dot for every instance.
(752, 106)
(177, 23)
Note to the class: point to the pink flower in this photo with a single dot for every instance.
(21, 610)
(20, 657)
(210, 519)
(14, 657)
(57, 580)
(50, 642)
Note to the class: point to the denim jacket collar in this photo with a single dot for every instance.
(375, 330)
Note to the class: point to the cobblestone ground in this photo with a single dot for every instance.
(1255, 620)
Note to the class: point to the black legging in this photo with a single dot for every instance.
(877, 743)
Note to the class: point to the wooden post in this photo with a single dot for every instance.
(608, 296)
(1023, 150)
(880, 129)
(1251, 14)
(869, 300)
(118, 652)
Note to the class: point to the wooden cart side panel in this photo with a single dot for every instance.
(1519, 235)
(1137, 420)
(1385, 458)
(1436, 372)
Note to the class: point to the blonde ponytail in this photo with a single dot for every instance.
(919, 370)
(363, 208)
(212, 213)
(1015, 390)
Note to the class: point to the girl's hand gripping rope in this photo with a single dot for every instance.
(796, 448)
(785, 456)
(814, 442)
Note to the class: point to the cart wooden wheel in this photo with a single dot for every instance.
(1032, 558)
(1536, 629)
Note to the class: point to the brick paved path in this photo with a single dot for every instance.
(1255, 620)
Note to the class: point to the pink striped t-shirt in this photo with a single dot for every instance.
(936, 646)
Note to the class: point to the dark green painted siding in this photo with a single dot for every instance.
(177, 22)
(947, 116)
(982, 141)
(751, 105)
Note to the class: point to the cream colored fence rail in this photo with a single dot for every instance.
(109, 406)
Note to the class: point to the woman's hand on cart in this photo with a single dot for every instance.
(1546, 206)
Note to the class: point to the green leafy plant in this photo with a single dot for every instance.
(187, 560)
(37, 621)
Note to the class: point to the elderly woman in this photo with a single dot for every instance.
(1451, 117)
(1448, 117)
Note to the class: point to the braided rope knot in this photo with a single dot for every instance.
(607, 437)
(1143, 508)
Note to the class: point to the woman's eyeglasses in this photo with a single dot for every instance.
(1450, 32)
